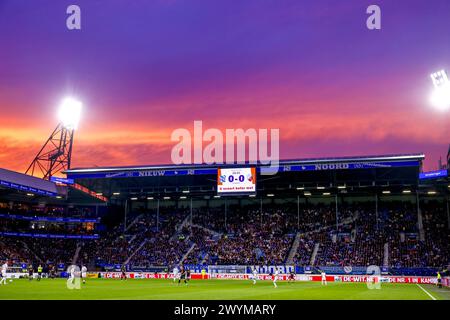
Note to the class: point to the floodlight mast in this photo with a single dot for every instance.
(56, 154)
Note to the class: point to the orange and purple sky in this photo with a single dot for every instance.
(144, 68)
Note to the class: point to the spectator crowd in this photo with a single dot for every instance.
(279, 234)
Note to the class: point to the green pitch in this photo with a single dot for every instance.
(96, 289)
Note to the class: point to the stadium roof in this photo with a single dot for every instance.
(19, 187)
(364, 173)
(19, 181)
(396, 157)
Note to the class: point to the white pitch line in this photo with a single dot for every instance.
(426, 292)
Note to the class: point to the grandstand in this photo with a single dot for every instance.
(331, 214)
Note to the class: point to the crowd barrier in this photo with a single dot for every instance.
(51, 236)
(48, 219)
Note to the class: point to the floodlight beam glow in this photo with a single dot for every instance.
(440, 98)
(69, 113)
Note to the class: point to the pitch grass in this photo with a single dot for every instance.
(158, 289)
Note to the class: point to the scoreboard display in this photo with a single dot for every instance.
(236, 180)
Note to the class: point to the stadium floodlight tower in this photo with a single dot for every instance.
(55, 155)
(440, 98)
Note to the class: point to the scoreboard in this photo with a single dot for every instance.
(236, 180)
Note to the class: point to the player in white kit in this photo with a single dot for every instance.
(254, 276)
(84, 273)
(175, 273)
(72, 274)
(324, 277)
(275, 278)
(3, 277)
